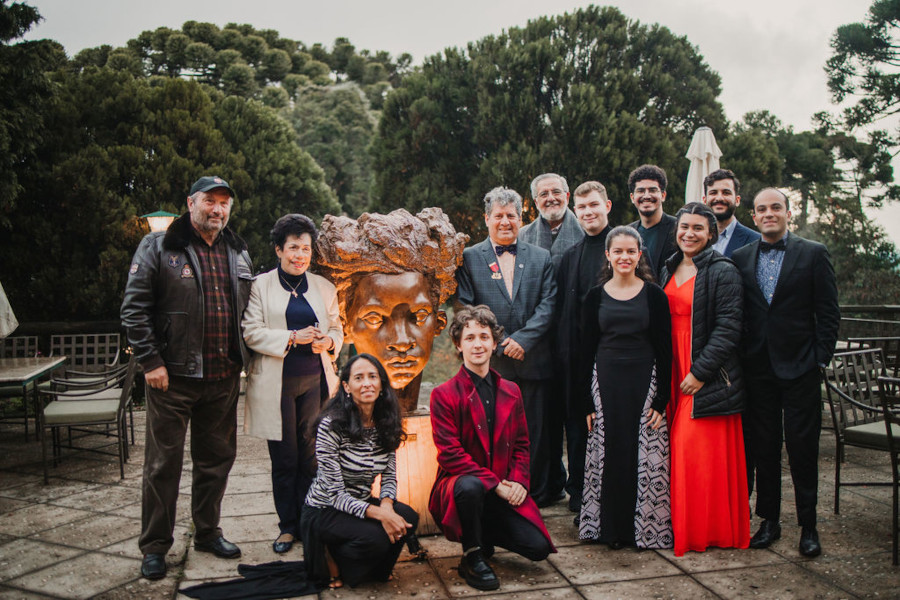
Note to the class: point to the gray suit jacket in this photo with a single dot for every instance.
(537, 233)
(527, 316)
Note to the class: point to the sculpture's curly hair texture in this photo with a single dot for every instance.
(349, 249)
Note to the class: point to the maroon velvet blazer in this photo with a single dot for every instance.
(461, 437)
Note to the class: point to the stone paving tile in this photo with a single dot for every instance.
(562, 531)
(678, 587)
(243, 484)
(108, 473)
(785, 582)
(595, 563)
(252, 503)
(13, 480)
(415, 579)
(717, 559)
(141, 589)
(92, 533)
(36, 491)
(22, 556)
(516, 574)
(11, 504)
(11, 594)
(129, 547)
(82, 577)
(865, 575)
(38, 517)
(564, 593)
(439, 547)
(101, 499)
(203, 565)
(251, 528)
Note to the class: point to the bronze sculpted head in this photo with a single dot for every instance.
(393, 272)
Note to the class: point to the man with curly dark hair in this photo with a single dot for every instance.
(480, 496)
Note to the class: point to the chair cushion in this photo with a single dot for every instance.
(872, 435)
(82, 411)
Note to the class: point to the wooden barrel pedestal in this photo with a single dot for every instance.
(417, 467)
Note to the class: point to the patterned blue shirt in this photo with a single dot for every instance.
(768, 268)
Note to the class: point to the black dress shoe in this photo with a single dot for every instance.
(282, 547)
(616, 545)
(154, 566)
(809, 542)
(220, 547)
(575, 503)
(477, 572)
(768, 532)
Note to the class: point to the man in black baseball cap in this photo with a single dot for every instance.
(210, 182)
(186, 291)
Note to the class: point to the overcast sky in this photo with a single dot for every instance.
(769, 53)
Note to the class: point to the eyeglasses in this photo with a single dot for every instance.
(547, 193)
(652, 190)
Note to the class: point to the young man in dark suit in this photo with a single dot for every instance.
(647, 188)
(578, 272)
(721, 192)
(791, 319)
(516, 281)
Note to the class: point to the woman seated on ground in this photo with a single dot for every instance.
(348, 535)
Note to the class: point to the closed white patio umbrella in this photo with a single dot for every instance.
(704, 155)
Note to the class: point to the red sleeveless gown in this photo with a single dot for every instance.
(710, 504)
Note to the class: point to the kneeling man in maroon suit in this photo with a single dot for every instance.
(480, 497)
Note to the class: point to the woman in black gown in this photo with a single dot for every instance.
(624, 376)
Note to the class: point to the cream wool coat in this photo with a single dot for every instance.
(266, 333)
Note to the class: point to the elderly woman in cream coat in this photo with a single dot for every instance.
(293, 325)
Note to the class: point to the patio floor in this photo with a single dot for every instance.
(77, 538)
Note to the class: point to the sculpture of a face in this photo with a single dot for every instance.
(394, 318)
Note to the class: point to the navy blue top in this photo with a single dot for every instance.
(300, 360)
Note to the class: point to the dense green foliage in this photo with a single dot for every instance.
(335, 125)
(25, 91)
(863, 65)
(89, 144)
(117, 145)
(590, 95)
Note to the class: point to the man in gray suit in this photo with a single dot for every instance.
(516, 280)
(556, 229)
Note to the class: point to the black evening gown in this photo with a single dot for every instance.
(626, 469)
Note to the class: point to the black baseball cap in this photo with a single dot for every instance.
(210, 182)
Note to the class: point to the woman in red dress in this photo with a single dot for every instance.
(710, 504)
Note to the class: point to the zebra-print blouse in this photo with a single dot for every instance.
(347, 470)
